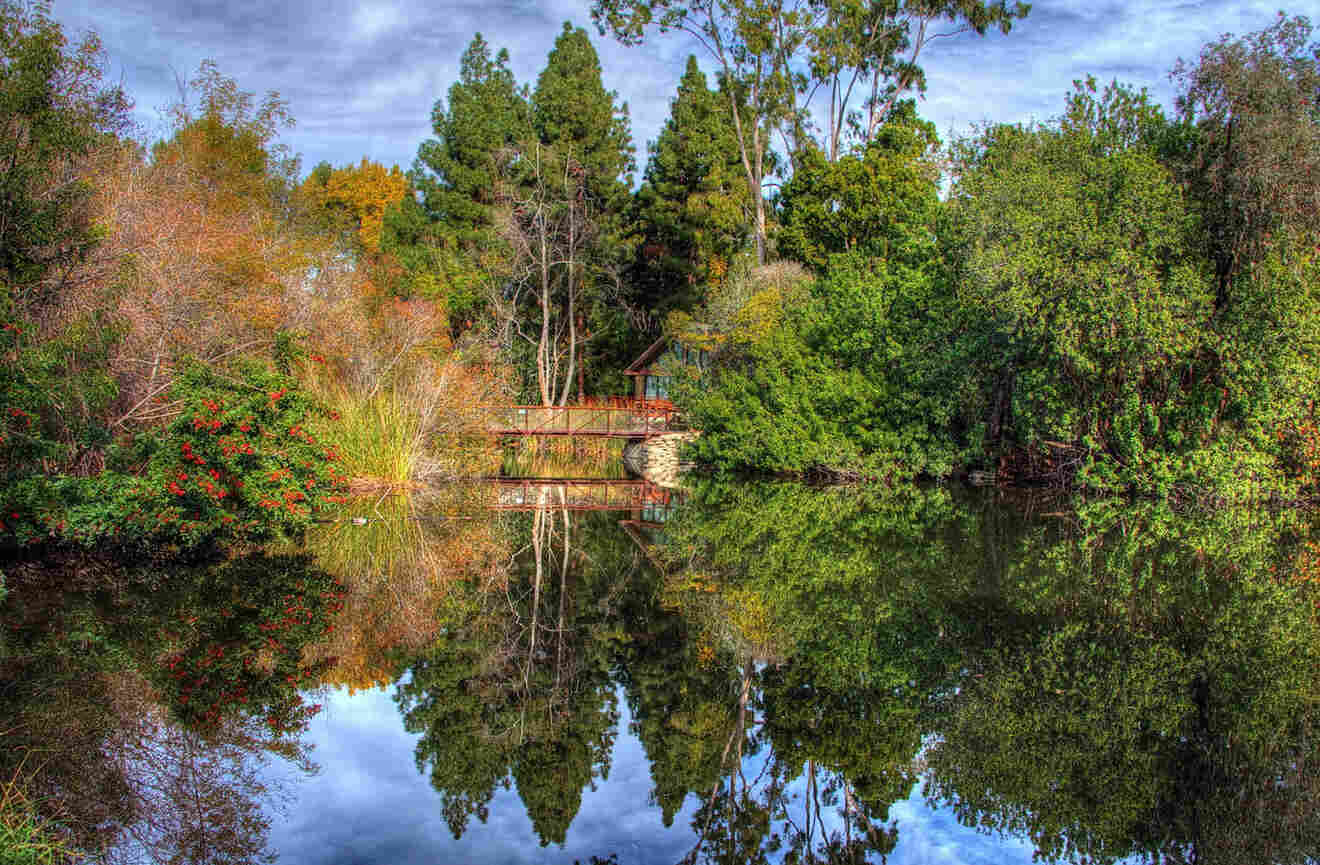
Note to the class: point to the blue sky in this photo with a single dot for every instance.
(362, 77)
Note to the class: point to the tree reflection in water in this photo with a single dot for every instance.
(139, 718)
(1108, 680)
(521, 691)
(1103, 679)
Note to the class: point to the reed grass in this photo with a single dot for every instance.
(427, 426)
(24, 840)
(380, 438)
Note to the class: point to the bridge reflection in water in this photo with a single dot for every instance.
(648, 506)
(570, 494)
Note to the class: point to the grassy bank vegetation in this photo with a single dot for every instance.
(425, 426)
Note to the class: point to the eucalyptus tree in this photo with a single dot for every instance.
(778, 55)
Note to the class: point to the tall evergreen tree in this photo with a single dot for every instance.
(486, 111)
(574, 114)
(442, 238)
(584, 138)
(692, 212)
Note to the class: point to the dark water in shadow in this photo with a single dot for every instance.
(739, 673)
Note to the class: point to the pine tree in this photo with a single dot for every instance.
(692, 212)
(573, 114)
(486, 111)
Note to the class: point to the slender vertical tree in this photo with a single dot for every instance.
(692, 212)
(552, 233)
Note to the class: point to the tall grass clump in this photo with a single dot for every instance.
(24, 840)
(379, 437)
(419, 426)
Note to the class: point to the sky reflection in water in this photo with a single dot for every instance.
(370, 805)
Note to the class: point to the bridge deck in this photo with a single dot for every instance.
(635, 420)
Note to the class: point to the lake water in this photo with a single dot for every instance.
(737, 672)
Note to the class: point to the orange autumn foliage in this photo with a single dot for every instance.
(185, 268)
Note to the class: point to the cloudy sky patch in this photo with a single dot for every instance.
(361, 78)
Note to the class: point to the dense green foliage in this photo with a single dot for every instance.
(852, 370)
(53, 100)
(1077, 310)
(52, 97)
(691, 211)
(237, 463)
(878, 201)
(1089, 295)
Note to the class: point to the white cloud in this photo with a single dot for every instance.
(373, 20)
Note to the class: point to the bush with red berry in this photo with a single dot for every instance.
(237, 463)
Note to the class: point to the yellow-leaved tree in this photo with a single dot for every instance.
(353, 200)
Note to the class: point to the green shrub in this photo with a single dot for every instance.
(236, 463)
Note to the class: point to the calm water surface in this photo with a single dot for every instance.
(742, 672)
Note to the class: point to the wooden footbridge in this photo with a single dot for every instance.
(617, 418)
